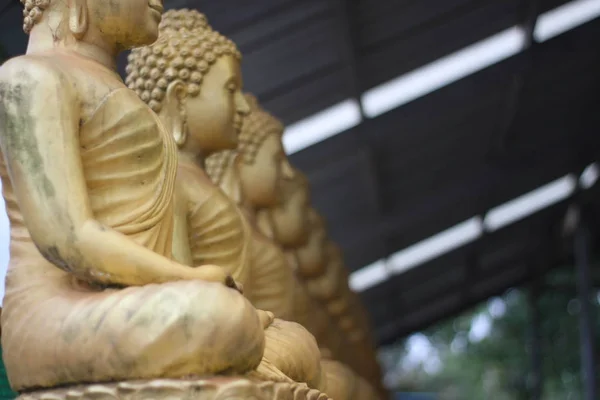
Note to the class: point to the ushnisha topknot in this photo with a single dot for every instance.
(257, 127)
(186, 48)
(32, 13)
(183, 19)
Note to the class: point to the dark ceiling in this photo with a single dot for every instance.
(435, 162)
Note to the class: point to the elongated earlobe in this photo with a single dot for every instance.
(174, 106)
(78, 18)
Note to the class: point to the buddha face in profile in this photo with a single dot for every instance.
(261, 179)
(215, 115)
(262, 165)
(191, 76)
(289, 220)
(119, 24)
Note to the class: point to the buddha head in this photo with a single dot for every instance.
(288, 221)
(191, 78)
(113, 25)
(258, 167)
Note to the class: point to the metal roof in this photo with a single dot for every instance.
(410, 173)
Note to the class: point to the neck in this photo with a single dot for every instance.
(191, 158)
(98, 52)
(53, 34)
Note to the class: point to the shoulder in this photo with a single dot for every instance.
(194, 173)
(27, 74)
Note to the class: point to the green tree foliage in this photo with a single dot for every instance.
(499, 366)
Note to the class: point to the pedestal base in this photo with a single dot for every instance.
(221, 388)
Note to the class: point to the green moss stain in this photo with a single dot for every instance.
(17, 127)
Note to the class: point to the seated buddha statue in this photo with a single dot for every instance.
(93, 293)
(250, 176)
(191, 78)
(301, 232)
(193, 75)
(288, 224)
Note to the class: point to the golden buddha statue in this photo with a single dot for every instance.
(288, 223)
(250, 176)
(93, 294)
(319, 263)
(191, 77)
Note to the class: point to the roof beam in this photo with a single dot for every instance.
(348, 44)
(528, 22)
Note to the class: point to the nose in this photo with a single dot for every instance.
(242, 105)
(287, 171)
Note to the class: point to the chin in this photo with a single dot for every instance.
(230, 142)
(144, 38)
(233, 136)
